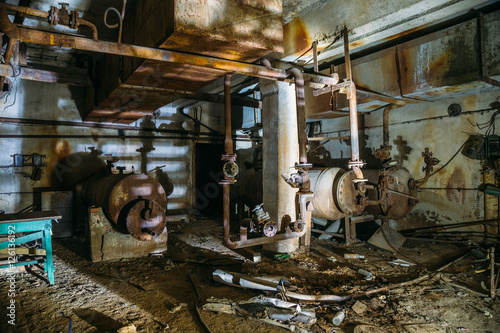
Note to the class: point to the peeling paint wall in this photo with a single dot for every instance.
(450, 196)
(167, 160)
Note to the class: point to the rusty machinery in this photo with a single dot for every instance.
(133, 202)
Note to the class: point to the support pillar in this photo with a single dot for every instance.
(280, 153)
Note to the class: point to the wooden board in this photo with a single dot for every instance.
(31, 216)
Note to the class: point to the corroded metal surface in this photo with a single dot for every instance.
(146, 220)
(398, 201)
(120, 196)
(397, 206)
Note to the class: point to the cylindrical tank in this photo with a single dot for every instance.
(398, 202)
(324, 183)
(135, 202)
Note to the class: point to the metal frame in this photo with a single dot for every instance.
(36, 228)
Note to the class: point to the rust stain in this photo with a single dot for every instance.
(356, 44)
(402, 34)
(456, 180)
(296, 37)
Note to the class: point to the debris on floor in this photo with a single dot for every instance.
(198, 284)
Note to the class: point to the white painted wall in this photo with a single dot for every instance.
(443, 136)
(35, 100)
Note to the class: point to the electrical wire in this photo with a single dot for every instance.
(489, 125)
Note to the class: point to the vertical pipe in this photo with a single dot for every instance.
(348, 70)
(255, 110)
(315, 56)
(492, 273)
(226, 215)
(228, 142)
(301, 113)
(353, 122)
(387, 109)
(353, 112)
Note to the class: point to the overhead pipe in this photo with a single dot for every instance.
(43, 14)
(26, 10)
(34, 36)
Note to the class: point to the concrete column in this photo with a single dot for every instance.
(280, 153)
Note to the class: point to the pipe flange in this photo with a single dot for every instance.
(297, 226)
(230, 169)
(269, 229)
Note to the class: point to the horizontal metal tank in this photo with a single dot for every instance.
(324, 183)
(135, 202)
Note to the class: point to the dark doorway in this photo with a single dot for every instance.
(208, 199)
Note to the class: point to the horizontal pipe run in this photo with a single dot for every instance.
(26, 10)
(364, 93)
(124, 137)
(114, 127)
(85, 44)
(450, 226)
(197, 96)
(327, 138)
(31, 74)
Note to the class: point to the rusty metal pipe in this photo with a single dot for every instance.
(387, 109)
(26, 10)
(244, 242)
(31, 74)
(228, 141)
(301, 113)
(90, 25)
(355, 163)
(86, 44)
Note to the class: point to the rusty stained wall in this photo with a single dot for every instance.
(370, 23)
(450, 196)
(57, 102)
(436, 66)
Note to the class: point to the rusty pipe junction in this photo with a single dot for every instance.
(230, 172)
(30, 35)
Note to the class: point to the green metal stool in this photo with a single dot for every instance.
(34, 226)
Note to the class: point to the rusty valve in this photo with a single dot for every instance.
(429, 161)
(260, 222)
(296, 180)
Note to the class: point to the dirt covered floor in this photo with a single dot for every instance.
(160, 293)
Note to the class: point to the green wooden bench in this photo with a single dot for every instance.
(33, 226)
